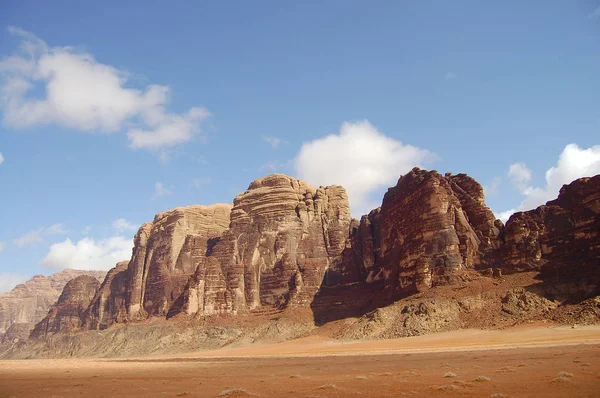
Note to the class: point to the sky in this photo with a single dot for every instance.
(111, 112)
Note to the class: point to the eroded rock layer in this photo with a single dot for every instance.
(284, 235)
(66, 314)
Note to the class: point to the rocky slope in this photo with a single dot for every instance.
(28, 303)
(66, 315)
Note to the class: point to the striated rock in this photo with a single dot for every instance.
(108, 304)
(66, 314)
(284, 235)
(561, 239)
(428, 229)
(166, 253)
(29, 302)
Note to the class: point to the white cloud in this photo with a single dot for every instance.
(493, 188)
(2, 246)
(9, 281)
(36, 236)
(1, 158)
(84, 94)
(519, 175)
(450, 75)
(273, 141)
(86, 230)
(595, 13)
(359, 158)
(122, 225)
(275, 165)
(29, 238)
(505, 215)
(573, 163)
(160, 190)
(56, 229)
(88, 253)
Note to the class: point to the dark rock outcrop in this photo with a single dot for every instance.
(561, 239)
(66, 315)
(428, 229)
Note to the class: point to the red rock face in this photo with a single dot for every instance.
(284, 235)
(561, 238)
(29, 302)
(428, 229)
(108, 304)
(66, 314)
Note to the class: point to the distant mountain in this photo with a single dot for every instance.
(29, 302)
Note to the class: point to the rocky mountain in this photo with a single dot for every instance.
(287, 258)
(166, 253)
(561, 239)
(66, 314)
(284, 235)
(28, 303)
(428, 229)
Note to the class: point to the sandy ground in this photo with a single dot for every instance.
(528, 361)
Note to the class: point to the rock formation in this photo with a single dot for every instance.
(561, 238)
(108, 305)
(66, 314)
(166, 253)
(428, 229)
(29, 302)
(284, 235)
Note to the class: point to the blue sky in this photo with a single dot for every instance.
(114, 112)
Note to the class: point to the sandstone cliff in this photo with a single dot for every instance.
(561, 239)
(284, 235)
(29, 302)
(166, 253)
(65, 316)
(428, 229)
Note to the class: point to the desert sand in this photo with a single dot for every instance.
(536, 360)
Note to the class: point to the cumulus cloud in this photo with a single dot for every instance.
(160, 190)
(2, 246)
(273, 141)
(9, 281)
(86, 95)
(122, 225)
(361, 159)
(36, 236)
(88, 253)
(519, 175)
(1, 158)
(573, 163)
